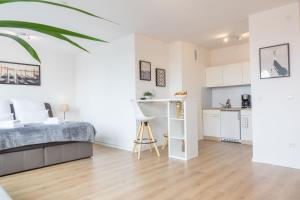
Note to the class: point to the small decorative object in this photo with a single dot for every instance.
(19, 74)
(181, 94)
(65, 109)
(183, 146)
(145, 70)
(160, 77)
(274, 61)
(179, 109)
(228, 103)
(148, 95)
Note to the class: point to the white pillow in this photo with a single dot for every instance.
(6, 117)
(33, 117)
(5, 107)
(27, 105)
(24, 106)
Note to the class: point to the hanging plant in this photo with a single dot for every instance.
(56, 32)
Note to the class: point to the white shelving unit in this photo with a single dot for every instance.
(183, 131)
(183, 136)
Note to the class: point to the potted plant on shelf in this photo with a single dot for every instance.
(148, 95)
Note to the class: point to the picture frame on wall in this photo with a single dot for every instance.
(160, 75)
(274, 61)
(145, 70)
(13, 73)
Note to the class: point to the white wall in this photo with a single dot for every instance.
(276, 102)
(57, 77)
(188, 73)
(156, 52)
(175, 57)
(229, 55)
(220, 95)
(105, 86)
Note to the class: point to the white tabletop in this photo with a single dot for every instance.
(157, 100)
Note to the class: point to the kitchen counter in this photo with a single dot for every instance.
(228, 109)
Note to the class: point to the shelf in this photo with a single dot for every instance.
(176, 149)
(176, 119)
(178, 157)
(177, 137)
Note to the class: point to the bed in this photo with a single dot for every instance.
(40, 145)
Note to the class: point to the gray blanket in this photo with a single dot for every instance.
(41, 134)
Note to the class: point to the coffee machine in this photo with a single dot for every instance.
(246, 101)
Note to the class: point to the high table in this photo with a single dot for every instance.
(182, 130)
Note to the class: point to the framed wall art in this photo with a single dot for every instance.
(145, 70)
(20, 73)
(160, 75)
(275, 61)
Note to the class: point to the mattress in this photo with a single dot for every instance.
(41, 134)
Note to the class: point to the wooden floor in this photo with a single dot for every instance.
(222, 171)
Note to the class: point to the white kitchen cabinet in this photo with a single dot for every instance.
(214, 76)
(228, 75)
(211, 123)
(233, 74)
(230, 126)
(246, 126)
(246, 73)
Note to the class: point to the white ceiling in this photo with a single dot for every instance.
(197, 21)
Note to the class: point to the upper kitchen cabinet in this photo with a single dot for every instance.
(246, 73)
(232, 74)
(228, 75)
(214, 76)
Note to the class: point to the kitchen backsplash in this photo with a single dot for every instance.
(220, 95)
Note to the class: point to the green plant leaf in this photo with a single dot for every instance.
(44, 29)
(56, 4)
(24, 44)
(62, 37)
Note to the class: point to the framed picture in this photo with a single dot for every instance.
(20, 74)
(145, 70)
(160, 77)
(274, 61)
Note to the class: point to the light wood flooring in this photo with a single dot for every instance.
(223, 171)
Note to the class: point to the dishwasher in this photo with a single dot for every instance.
(231, 126)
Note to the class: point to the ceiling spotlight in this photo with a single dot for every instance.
(245, 35)
(226, 40)
(24, 35)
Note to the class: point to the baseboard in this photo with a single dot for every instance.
(247, 142)
(217, 139)
(278, 164)
(113, 145)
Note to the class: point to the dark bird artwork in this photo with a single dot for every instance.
(281, 71)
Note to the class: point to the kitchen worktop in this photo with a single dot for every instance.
(227, 109)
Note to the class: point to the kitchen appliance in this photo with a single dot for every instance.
(246, 101)
(231, 126)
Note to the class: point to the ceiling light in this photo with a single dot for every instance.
(221, 36)
(245, 35)
(226, 40)
(24, 35)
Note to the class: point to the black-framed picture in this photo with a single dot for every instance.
(145, 70)
(275, 61)
(160, 77)
(20, 73)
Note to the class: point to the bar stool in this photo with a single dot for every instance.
(144, 123)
